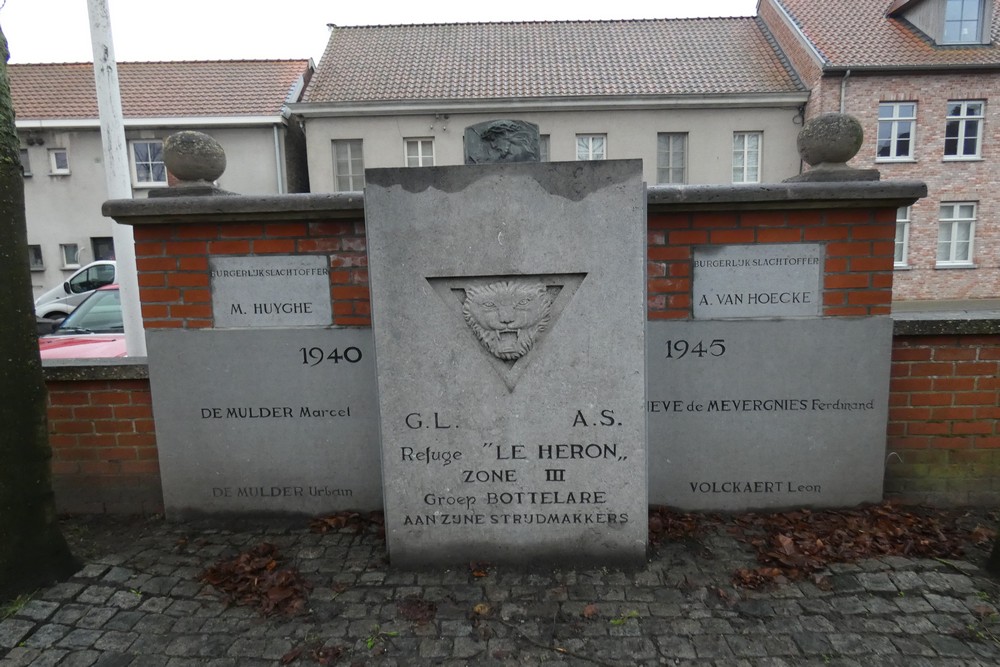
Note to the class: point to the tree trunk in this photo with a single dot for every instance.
(32, 549)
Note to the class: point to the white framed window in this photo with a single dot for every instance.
(746, 156)
(591, 147)
(897, 122)
(899, 259)
(963, 129)
(25, 163)
(543, 148)
(35, 258)
(146, 162)
(419, 152)
(963, 21)
(58, 161)
(348, 165)
(671, 157)
(70, 253)
(956, 230)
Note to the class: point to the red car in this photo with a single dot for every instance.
(93, 330)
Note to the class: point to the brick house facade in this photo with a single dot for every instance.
(869, 58)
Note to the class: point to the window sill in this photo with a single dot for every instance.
(901, 267)
(38, 268)
(148, 186)
(962, 158)
(955, 266)
(59, 173)
(891, 160)
(70, 267)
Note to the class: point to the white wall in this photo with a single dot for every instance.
(67, 209)
(631, 134)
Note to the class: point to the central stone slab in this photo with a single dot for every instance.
(508, 306)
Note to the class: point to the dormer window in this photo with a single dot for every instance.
(963, 21)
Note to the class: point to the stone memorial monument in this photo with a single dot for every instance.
(270, 410)
(508, 312)
(760, 400)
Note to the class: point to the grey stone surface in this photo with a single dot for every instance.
(265, 421)
(270, 291)
(767, 414)
(528, 445)
(756, 281)
(742, 627)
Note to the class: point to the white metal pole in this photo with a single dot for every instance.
(116, 169)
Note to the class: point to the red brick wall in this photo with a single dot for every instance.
(859, 244)
(173, 265)
(104, 456)
(943, 439)
(947, 181)
(944, 406)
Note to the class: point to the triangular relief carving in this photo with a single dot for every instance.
(508, 317)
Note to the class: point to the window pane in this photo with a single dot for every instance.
(970, 145)
(70, 253)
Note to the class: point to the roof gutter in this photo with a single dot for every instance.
(167, 121)
(512, 105)
(910, 69)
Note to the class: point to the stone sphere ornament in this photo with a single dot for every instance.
(826, 143)
(194, 157)
(833, 138)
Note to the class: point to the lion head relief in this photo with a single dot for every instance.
(507, 316)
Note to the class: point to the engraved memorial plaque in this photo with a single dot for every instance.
(270, 291)
(767, 280)
(272, 421)
(509, 312)
(768, 414)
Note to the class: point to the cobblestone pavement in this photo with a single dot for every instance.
(142, 604)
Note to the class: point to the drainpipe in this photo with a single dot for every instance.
(843, 91)
(277, 162)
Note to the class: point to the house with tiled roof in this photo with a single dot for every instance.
(243, 104)
(699, 100)
(923, 77)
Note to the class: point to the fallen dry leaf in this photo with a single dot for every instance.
(253, 578)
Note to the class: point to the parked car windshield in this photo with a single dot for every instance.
(100, 313)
